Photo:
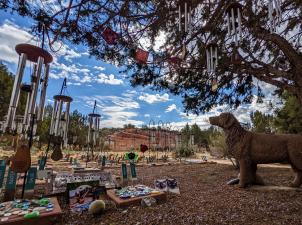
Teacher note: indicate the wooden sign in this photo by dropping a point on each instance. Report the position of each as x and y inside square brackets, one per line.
[103, 161]
[10, 186]
[124, 171]
[31, 178]
[133, 171]
[42, 163]
[2, 172]
[11, 180]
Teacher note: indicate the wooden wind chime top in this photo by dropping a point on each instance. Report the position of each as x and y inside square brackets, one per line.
[63, 98]
[34, 52]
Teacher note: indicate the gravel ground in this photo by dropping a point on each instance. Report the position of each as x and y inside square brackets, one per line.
[206, 199]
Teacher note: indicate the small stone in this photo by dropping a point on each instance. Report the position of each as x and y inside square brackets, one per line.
[7, 214]
[22, 213]
[39, 208]
[16, 212]
[4, 219]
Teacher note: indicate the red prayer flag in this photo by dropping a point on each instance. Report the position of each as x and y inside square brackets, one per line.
[175, 61]
[143, 148]
[110, 36]
[141, 55]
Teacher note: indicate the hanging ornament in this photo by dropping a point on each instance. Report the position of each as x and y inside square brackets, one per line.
[184, 16]
[110, 36]
[274, 14]
[235, 57]
[93, 127]
[41, 59]
[60, 115]
[234, 22]
[214, 84]
[176, 61]
[183, 53]
[212, 57]
[141, 55]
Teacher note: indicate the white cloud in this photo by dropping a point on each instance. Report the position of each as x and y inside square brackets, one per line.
[116, 111]
[147, 115]
[151, 99]
[108, 79]
[130, 93]
[100, 68]
[10, 36]
[171, 108]
[242, 113]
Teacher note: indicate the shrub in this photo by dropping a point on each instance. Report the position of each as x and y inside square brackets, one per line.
[184, 151]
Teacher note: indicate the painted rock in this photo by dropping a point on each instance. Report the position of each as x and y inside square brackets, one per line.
[97, 207]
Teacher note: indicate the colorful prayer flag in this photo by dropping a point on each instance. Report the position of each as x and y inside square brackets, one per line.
[141, 55]
[110, 36]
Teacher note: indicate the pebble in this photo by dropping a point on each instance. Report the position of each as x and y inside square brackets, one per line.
[7, 214]
[4, 219]
[16, 212]
[21, 213]
[39, 208]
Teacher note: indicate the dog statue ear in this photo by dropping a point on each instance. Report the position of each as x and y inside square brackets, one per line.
[230, 120]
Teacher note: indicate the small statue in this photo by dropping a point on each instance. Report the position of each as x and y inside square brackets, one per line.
[251, 148]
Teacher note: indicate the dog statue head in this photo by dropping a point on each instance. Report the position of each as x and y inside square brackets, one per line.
[224, 120]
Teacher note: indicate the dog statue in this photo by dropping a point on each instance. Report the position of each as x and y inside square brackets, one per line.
[251, 149]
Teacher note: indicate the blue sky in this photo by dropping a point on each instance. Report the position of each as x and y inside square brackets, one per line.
[89, 80]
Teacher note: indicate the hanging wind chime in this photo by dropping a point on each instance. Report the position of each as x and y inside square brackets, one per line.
[274, 14]
[41, 60]
[234, 22]
[212, 63]
[60, 121]
[93, 129]
[184, 16]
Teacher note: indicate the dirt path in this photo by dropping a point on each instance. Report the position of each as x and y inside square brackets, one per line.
[206, 199]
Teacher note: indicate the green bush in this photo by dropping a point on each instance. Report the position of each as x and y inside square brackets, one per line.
[184, 151]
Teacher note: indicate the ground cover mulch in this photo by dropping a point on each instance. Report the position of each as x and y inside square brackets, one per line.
[206, 199]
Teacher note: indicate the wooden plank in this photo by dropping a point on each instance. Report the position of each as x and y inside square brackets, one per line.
[45, 218]
[159, 196]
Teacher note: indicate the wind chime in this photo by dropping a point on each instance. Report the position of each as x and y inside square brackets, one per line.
[151, 135]
[212, 63]
[184, 16]
[60, 121]
[234, 22]
[274, 14]
[41, 60]
[93, 130]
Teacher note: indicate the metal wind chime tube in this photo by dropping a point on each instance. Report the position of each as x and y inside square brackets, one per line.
[52, 122]
[274, 14]
[212, 57]
[184, 10]
[35, 85]
[43, 93]
[234, 22]
[15, 93]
